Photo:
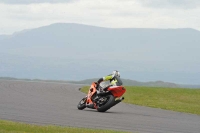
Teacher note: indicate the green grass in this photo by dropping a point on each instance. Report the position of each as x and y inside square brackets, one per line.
[176, 99]
[15, 127]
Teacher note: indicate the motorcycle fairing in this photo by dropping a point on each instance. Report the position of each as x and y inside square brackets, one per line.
[117, 91]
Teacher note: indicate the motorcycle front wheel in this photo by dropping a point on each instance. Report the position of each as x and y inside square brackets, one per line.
[82, 104]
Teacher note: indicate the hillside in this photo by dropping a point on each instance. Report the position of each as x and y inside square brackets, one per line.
[126, 82]
[74, 52]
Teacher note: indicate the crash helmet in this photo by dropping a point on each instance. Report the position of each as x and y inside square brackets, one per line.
[116, 73]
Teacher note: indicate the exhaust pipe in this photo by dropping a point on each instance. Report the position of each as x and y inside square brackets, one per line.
[118, 101]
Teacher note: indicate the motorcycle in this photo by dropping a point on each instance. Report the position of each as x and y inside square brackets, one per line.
[103, 101]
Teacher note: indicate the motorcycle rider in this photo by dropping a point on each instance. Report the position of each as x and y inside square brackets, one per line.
[114, 79]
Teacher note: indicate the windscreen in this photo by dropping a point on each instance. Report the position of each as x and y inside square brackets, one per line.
[104, 84]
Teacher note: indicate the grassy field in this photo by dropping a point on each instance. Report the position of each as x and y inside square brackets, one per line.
[176, 99]
[15, 127]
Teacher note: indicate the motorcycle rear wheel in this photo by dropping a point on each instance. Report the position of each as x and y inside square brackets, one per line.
[82, 104]
[108, 104]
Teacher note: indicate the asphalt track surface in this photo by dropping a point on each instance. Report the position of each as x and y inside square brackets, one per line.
[56, 104]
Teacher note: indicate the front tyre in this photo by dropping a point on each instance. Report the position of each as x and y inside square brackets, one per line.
[107, 104]
[82, 104]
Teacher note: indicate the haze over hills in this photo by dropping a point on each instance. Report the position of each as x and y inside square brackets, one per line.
[3, 37]
[126, 82]
[77, 52]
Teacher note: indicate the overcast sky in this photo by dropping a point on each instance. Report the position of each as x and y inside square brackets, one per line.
[17, 15]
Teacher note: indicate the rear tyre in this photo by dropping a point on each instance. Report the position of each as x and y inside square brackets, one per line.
[82, 104]
[107, 104]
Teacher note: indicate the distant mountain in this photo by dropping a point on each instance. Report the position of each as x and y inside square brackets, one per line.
[126, 82]
[76, 52]
[3, 37]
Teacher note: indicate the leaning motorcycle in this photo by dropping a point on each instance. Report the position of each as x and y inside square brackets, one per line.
[111, 96]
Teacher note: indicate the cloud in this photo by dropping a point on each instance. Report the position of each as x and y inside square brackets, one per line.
[185, 4]
[34, 1]
[104, 13]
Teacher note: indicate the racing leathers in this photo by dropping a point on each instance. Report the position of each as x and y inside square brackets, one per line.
[114, 80]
